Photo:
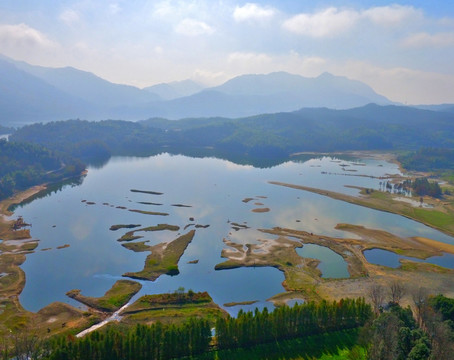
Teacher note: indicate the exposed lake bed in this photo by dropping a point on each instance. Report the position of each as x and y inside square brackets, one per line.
[263, 247]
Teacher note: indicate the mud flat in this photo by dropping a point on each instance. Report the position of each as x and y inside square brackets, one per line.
[149, 212]
[260, 210]
[163, 259]
[418, 247]
[53, 319]
[303, 280]
[15, 245]
[130, 235]
[123, 226]
[146, 192]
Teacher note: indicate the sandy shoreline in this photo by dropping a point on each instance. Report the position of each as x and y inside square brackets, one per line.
[18, 198]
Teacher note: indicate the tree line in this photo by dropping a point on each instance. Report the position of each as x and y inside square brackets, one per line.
[398, 333]
[428, 159]
[394, 333]
[422, 187]
[25, 165]
[160, 342]
[290, 322]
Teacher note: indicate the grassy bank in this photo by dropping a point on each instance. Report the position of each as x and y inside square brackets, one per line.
[441, 217]
[163, 259]
[117, 296]
[172, 308]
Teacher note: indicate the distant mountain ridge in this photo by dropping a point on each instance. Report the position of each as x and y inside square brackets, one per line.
[48, 94]
[266, 137]
[303, 87]
[88, 86]
[442, 107]
[175, 89]
[24, 98]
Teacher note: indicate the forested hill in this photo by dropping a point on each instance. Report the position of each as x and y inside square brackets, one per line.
[371, 127]
[25, 165]
[4, 130]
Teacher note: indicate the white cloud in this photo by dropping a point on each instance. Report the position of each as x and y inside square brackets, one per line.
[401, 84]
[327, 23]
[392, 14]
[114, 8]
[427, 40]
[248, 57]
[252, 11]
[446, 21]
[164, 9]
[332, 21]
[192, 27]
[69, 17]
[23, 36]
[261, 63]
[209, 77]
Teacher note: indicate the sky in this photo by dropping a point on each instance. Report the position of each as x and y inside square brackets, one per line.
[403, 49]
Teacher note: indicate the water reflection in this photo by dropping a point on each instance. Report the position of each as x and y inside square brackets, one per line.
[390, 259]
[331, 265]
[215, 189]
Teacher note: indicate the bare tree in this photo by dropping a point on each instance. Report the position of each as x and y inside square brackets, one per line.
[397, 290]
[442, 346]
[420, 296]
[376, 294]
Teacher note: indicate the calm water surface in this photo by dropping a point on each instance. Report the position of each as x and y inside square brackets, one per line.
[390, 259]
[214, 190]
[331, 265]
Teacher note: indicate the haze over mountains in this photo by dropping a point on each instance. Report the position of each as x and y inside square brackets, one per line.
[32, 93]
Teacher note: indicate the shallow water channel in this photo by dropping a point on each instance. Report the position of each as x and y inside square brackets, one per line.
[212, 191]
[390, 259]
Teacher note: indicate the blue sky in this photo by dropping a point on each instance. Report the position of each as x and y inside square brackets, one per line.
[403, 49]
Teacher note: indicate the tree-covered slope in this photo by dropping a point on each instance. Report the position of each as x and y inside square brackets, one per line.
[24, 165]
[371, 127]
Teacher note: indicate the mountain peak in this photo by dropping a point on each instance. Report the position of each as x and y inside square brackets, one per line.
[175, 89]
[326, 75]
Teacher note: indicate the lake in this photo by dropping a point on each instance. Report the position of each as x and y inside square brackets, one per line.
[212, 191]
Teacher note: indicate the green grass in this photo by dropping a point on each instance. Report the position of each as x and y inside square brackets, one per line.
[448, 176]
[117, 296]
[123, 226]
[140, 246]
[129, 236]
[240, 303]
[174, 315]
[172, 308]
[165, 261]
[383, 201]
[435, 218]
[160, 227]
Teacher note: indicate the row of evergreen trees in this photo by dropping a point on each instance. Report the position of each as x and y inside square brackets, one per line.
[141, 342]
[290, 322]
[194, 337]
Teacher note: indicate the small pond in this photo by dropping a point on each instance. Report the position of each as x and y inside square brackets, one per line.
[331, 265]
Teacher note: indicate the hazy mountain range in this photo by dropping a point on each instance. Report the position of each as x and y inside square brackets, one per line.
[39, 94]
[33, 93]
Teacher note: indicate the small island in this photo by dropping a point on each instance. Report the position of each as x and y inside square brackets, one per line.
[163, 259]
[117, 296]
